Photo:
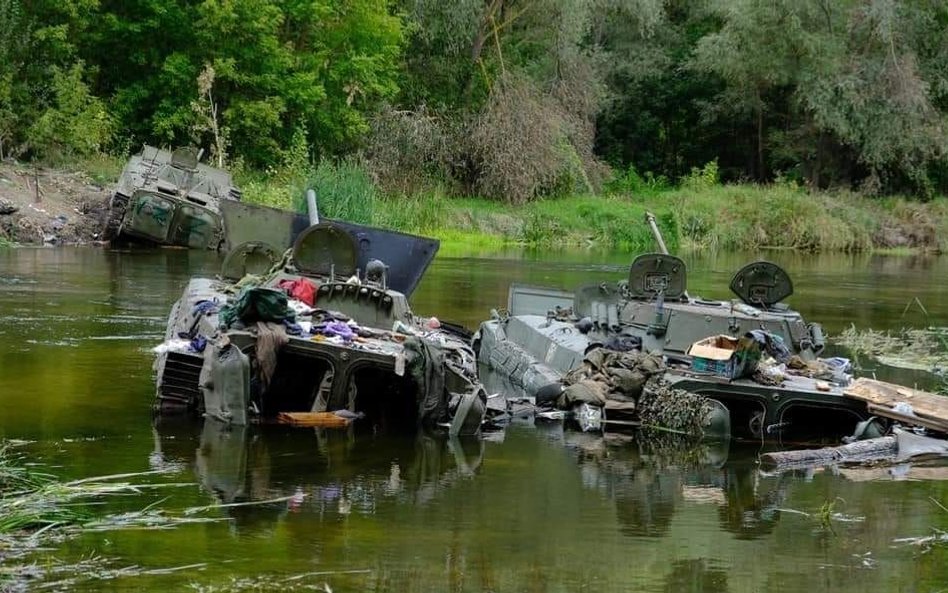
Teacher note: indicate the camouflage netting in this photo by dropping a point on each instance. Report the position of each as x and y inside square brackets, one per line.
[674, 409]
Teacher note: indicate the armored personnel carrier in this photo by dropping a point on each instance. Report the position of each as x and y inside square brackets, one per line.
[706, 347]
[324, 327]
[169, 198]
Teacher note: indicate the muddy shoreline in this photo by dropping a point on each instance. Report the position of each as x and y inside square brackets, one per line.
[43, 206]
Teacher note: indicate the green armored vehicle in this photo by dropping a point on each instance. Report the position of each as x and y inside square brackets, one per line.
[321, 329]
[753, 359]
[170, 198]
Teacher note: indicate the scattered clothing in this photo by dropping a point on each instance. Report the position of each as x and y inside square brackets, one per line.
[204, 307]
[293, 329]
[197, 344]
[772, 344]
[334, 329]
[270, 338]
[300, 289]
[256, 304]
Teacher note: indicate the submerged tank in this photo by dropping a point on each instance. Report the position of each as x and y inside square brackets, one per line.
[170, 198]
[715, 349]
[323, 327]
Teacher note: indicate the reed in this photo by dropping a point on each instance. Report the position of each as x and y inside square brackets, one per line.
[700, 214]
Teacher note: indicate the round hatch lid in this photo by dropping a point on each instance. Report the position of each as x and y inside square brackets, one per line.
[252, 257]
[325, 248]
[761, 284]
[185, 158]
[652, 274]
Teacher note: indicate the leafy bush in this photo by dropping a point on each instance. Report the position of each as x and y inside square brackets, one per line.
[407, 150]
[523, 145]
[76, 123]
[630, 183]
[706, 177]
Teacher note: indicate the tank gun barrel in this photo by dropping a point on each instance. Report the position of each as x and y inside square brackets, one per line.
[311, 207]
[650, 219]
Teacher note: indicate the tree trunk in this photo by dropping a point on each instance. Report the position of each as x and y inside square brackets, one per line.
[760, 137]
[491, 8]
[868, 450]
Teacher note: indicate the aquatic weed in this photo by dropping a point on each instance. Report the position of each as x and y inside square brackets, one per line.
[827, 513]
[923, 349]
[37, 509]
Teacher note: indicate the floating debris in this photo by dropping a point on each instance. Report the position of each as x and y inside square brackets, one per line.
[37, 509]
[918, 349]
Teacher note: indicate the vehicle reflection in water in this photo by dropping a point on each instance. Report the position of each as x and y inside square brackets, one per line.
[258, 473]
[649, 475]
[694, 575]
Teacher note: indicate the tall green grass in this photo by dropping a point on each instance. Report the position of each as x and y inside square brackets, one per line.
[785, 217]
[343, 190]
[610, 221]
[700, 213]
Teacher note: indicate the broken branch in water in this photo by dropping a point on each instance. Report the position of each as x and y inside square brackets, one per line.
[211, 507]
[324, 573]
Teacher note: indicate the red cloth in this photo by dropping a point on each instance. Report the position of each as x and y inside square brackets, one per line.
[301, 290]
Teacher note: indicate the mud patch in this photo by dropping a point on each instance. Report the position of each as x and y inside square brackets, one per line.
[46, 206]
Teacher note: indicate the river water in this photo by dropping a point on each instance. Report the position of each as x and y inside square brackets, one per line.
[534, 508]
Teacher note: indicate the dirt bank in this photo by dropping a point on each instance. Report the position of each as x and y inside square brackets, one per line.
[39, 205]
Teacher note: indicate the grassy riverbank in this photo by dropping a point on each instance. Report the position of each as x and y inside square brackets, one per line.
[701, 213]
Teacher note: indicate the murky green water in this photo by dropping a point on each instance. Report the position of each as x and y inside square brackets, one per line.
[531, 509]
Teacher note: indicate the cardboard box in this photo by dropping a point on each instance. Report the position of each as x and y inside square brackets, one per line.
[725, 356]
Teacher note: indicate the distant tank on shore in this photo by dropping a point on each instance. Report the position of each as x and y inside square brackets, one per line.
[170, 198]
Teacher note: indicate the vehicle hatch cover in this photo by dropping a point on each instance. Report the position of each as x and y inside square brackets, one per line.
[324, 249]
[252, 257]
[761, 284]
[652, 273]
[186, 158]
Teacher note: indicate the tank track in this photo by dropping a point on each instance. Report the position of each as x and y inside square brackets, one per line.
[113, 224]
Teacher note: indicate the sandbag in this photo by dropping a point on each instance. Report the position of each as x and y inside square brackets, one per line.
[627, 382]
[586, 391]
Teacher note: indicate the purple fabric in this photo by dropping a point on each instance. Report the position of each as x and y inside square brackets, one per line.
[335, 328]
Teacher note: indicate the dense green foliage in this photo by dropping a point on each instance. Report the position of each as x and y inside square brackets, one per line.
[509, 99]
[239, 77]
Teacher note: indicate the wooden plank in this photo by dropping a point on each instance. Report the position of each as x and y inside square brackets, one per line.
[887, 412]
[884, 394]
[324, 419]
